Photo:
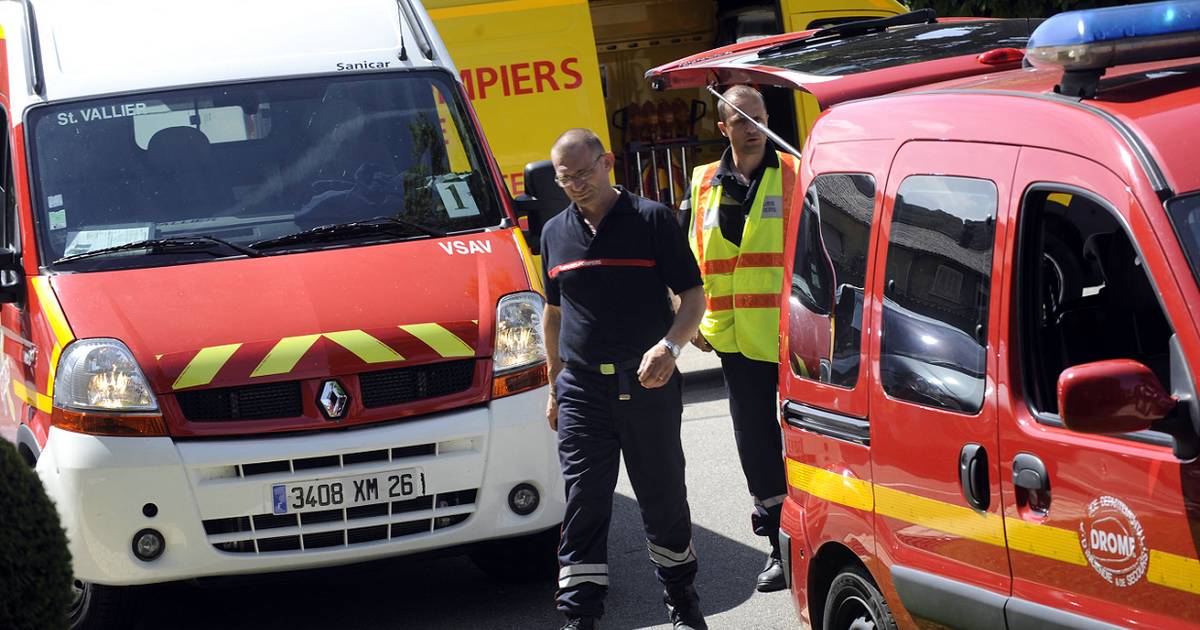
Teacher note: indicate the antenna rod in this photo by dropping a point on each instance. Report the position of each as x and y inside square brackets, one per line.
[761, 127]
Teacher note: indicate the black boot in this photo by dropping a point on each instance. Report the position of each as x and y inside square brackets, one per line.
[683, 608]
[581, 623]
[771, 578]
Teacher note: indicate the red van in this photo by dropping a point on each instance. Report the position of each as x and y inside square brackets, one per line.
[1003, 431]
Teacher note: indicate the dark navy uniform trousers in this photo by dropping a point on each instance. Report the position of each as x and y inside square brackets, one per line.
[752, 405]
[594, 428]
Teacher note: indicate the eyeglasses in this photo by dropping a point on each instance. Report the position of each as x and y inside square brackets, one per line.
[579, 177]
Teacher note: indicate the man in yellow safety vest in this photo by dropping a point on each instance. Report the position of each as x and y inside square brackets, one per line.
[739, 209]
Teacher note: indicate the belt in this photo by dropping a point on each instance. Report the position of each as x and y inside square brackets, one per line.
[620, 369]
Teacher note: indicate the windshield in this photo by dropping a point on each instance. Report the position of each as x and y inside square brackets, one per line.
[897, 47]
[255, 162]
[1184, 211]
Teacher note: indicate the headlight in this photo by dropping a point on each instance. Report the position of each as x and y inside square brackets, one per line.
[101, 375]
[519, 341]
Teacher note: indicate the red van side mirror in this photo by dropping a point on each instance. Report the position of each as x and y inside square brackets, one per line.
[1114, 396]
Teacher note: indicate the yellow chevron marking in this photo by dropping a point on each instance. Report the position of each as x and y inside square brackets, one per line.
[441, 340]
[1045, 541]
[830, 486]
[285, 355]
[364, 346]
[205, 365]
[964, 522]
[1177, 572]
[54, 312]
[55, 353]
[32, 397]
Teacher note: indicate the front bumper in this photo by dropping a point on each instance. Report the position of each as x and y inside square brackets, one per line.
[212, 500]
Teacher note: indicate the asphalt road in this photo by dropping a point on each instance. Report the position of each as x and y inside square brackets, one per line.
[451, 593]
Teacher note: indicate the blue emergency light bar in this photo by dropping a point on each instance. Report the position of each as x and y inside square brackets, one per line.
[1094, 39]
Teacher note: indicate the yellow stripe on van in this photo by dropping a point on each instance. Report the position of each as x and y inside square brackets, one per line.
[204, 366]
[828, 485]
[441, 340]
[285, 355]
[1045, 541]
[960, 521]
[54, 312]
[1177, 572]
[32, 397]
[364, 346]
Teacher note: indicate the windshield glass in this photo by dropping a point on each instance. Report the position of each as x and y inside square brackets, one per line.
[1184, 211]
[898, 46]
[253, 162]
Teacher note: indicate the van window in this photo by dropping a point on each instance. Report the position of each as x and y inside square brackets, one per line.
[251, 162]
[936, 288]
[828, 276]
[1085, 295]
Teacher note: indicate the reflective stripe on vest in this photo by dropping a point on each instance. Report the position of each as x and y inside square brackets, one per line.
[600, 262]
[743, 284]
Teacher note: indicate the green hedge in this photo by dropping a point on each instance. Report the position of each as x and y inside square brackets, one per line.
[1010, 8]
[35, 566]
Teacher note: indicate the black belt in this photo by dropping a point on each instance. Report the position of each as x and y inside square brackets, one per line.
[620, 369]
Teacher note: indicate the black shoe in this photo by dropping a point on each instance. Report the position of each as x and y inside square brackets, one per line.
[771, 578]
[581, 623]
[683, 608]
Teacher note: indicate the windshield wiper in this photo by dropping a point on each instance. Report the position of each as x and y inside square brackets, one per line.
[195, 242]
[336, 231]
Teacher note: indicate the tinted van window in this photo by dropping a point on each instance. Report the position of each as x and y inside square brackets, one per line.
[936, 288]
[828, 275]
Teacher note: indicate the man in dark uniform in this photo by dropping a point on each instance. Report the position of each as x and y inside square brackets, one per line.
[612, 339]
[735, 214]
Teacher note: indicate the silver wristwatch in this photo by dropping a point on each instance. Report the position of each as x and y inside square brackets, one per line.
[671, 346]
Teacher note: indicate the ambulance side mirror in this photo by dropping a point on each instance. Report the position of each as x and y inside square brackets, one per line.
[543, 200]
[1114, 396]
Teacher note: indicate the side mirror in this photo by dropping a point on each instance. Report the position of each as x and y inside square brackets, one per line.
[1114, 396]
[12, 277]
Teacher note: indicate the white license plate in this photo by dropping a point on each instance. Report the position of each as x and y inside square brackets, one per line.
[343, 492]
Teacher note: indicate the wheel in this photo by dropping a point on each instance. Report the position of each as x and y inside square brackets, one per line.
[854, 603]
[532, 558]
[96, 607]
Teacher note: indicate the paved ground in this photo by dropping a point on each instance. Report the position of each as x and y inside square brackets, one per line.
[451, 593]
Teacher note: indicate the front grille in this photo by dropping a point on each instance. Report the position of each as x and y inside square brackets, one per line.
[252, 402]
[385, 520]
[400, 385]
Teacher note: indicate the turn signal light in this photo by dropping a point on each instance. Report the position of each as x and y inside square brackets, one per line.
[93, 423]
[520, 381]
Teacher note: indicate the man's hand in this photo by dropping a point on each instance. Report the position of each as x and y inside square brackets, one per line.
[700, 342]
[552, 411]
[657, 366]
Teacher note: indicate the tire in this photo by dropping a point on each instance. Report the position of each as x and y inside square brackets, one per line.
[96, 607]
[532, 558]
[855, 603]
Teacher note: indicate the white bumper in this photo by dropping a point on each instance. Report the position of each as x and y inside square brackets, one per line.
[213, 504]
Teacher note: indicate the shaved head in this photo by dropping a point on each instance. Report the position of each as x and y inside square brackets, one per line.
[738, 94]
[572, 140]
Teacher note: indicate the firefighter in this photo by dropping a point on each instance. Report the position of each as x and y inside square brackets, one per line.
[735, 214]
[612, 339]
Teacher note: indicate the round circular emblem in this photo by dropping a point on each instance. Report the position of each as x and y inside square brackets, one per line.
[1113, 541]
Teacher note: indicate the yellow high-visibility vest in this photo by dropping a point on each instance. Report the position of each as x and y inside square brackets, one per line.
[743, 284]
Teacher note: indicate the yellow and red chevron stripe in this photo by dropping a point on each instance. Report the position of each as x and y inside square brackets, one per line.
[302, 354]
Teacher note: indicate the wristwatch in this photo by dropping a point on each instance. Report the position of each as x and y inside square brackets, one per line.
[672, 347]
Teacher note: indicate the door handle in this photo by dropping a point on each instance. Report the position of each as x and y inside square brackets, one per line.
[1032, 482]
[973, 474]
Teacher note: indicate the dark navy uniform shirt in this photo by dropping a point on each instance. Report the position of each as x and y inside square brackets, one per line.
[612, 286]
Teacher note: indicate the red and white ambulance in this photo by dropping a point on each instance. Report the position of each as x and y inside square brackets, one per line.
[265, 306]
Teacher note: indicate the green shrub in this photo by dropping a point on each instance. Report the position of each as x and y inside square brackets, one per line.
[35, 566]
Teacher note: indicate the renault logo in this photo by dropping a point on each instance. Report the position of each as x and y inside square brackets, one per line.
[334, 400]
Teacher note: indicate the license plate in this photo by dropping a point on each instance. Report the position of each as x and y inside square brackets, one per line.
[342, 492]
